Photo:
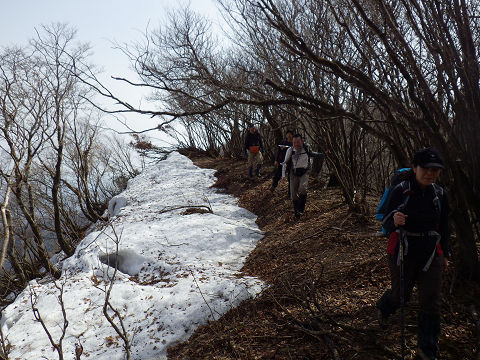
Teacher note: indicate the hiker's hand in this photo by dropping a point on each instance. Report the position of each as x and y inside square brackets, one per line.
[275, 163]
[399, 219]
[445, 263]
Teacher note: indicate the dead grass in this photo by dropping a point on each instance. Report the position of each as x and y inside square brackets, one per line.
[332, 257]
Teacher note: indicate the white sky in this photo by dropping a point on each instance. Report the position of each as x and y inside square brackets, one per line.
[98, 22]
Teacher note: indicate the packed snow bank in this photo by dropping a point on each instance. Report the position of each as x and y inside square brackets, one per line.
[175, 271]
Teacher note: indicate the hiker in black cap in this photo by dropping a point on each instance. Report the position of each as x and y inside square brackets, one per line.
[253, 150]
[418, 215]
[297, 164]
[279, 157]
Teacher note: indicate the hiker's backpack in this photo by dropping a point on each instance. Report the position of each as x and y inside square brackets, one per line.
[397, 177]
[290, 161]
[401, 176]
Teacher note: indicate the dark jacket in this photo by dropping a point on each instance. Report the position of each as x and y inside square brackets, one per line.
[282, 150]
[254, 139]
[424, 215]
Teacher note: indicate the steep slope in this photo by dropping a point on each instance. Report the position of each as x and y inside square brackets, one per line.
[180, 248]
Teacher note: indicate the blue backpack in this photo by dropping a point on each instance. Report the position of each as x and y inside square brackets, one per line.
[397, 177]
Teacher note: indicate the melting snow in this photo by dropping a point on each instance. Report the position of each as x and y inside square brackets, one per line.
[175, 271]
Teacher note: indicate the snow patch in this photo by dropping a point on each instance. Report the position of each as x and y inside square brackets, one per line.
[175, 271]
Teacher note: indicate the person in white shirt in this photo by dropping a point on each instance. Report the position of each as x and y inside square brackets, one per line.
[297, 164]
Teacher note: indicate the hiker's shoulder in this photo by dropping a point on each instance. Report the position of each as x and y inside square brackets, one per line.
[403, 186]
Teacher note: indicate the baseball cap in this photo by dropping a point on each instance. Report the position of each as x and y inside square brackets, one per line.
[428, 157]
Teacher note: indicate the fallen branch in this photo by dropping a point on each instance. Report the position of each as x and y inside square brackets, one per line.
[320, 324]
[207, 208]
[203, 297]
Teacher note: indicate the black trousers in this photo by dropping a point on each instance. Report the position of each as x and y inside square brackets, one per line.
[429, 284]
[277, 175]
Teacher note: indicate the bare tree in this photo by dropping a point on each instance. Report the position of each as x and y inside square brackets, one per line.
[57, 345]
[108, 308]
[418, 65]
[58, 59]
[55, 161]
[386, 77]
[21, 130]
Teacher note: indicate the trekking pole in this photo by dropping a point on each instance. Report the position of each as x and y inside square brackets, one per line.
[402, 237]
[402, 292]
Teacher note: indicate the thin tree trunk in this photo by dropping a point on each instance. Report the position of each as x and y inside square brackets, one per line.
[12, 258]
[64, 244]
[6, 227]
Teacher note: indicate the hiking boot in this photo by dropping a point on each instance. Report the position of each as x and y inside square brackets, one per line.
[272, 189]
[422, 356]
[428, 333]
[384, 309]
[295, 209]
[301, 203]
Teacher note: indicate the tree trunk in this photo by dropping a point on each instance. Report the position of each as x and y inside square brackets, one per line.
[273, 124]
[42, 252]
[65, 245]
[12, 258]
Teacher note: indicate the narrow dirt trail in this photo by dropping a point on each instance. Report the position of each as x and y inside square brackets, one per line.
[325, 271]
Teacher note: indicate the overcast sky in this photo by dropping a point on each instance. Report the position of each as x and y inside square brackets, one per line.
[99, 22]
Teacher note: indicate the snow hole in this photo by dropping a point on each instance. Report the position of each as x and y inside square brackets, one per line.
[116, 204]
[129, 262]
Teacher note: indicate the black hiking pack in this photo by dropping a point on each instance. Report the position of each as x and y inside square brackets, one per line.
[400, 178]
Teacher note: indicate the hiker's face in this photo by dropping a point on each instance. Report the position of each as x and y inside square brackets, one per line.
[252, 130]
[426, 176]
[289, 137]
[297, 143]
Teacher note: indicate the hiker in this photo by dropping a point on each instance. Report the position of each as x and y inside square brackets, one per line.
[297, 164]
[418, 214]
[279, 158]
[254, 151]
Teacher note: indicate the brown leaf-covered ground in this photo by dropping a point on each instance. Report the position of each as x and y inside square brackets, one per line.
[325, 272]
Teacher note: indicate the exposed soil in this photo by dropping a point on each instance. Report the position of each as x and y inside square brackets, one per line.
[325, 273]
